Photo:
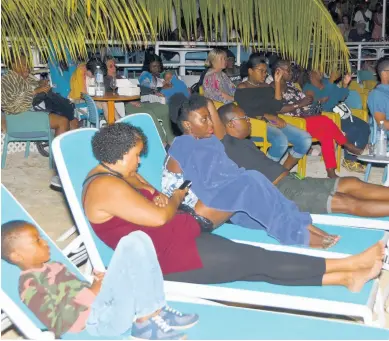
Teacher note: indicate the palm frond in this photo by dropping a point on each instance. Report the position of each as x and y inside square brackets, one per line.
[291, 26]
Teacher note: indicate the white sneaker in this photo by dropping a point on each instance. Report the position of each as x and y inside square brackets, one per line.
[55, 183]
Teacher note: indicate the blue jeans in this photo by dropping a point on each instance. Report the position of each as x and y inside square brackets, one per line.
[132, 286]
[357, 133]
[279, 139]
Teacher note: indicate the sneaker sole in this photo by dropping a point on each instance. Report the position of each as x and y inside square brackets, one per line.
[184, 327]
[185, 337]
[56, 188]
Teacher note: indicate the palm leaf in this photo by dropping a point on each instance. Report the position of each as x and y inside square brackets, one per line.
[291, 26]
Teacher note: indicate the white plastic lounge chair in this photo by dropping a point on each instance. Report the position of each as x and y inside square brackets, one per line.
[74, 159]
[214, 318]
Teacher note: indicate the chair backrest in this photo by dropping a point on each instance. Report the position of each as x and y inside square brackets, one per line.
[28, 121]
[354, 100]
[366, 75]
[75, 146]
[93, 114]
[11, 210]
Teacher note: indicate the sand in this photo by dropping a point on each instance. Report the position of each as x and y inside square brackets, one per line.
[28, 180]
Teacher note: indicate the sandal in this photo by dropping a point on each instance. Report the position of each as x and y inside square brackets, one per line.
[353, 166]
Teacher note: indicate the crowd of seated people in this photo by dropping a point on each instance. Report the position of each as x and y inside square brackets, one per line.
[364, 26]
[231, 180]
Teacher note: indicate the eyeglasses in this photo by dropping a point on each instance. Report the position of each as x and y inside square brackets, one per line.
[240, 118]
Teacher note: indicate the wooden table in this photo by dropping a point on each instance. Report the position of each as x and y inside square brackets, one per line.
[110, 98]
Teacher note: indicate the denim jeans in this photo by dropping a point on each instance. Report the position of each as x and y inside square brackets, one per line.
[132, 286]
[357, 133]
[279, 138]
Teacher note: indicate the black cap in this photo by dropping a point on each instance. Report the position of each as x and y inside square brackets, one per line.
[230, 54]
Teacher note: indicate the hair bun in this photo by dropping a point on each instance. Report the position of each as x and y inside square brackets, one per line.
[175, 104]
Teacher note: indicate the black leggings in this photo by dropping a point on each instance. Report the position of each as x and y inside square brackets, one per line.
[227, 261]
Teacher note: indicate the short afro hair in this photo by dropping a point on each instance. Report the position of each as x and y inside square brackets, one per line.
[382, 65]
[10, 232]
[111, 143]
[226, 112]
[180, 107]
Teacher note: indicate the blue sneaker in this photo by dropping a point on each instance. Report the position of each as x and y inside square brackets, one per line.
[178, 320]
[155, 328]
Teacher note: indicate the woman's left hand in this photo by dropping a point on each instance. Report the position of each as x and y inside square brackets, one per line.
[161, 200]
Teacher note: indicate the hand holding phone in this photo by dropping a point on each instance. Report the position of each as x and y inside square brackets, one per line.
[185, 184]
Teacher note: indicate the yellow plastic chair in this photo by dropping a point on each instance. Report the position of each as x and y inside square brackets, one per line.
[370, 84]
[259, 130]
[354, 85]
[361, 113]
[364, 95]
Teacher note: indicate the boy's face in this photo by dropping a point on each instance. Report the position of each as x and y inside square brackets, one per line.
[168, 77]
[31, 248]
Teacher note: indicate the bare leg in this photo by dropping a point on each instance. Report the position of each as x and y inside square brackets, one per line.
[362, 190]
[59, 123]
[331, 173]
[355, 280]
[74, 124]
[362, 261]
[290, 162]
[345, 203]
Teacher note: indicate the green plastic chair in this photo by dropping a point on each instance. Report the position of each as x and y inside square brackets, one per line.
[27, 126]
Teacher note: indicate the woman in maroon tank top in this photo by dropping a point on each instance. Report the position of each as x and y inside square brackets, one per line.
[118, 201]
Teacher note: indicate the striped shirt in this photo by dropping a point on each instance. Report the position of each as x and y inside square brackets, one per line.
[17, 93]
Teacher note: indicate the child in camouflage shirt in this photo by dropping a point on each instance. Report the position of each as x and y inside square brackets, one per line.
[132, 286]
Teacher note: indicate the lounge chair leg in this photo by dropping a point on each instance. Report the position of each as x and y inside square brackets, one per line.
[5, 150]
[27, 152]
[67, 234]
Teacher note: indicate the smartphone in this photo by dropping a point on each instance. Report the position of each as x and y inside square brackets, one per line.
[185, 184]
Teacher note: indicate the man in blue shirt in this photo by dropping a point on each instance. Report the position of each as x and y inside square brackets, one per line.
[378, 100]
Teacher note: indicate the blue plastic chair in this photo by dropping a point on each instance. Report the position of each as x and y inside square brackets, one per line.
[324, 299]
[93, 117]
[217, 322]
[29, 126]
[354, 100]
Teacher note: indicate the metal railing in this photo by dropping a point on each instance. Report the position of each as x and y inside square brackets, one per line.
[359, 53]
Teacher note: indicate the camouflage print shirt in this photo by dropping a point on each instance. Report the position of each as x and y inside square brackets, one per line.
[17, 93]
[57, 297]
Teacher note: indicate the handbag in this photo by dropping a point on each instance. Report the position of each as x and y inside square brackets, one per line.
[343, 110]
[54, 103]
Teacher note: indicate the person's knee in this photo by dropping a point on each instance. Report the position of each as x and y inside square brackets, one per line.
[347, 184]
[344, 203]
[59, 122]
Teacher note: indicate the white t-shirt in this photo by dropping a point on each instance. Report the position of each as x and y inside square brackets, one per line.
[359, 17]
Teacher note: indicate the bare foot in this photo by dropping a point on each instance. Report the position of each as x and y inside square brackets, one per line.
[321, 239]
[359, 278]
[367, 258]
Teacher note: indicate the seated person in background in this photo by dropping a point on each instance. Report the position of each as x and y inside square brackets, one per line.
[363, 15]
[232, 71]
[152, 83]
[132, 286]
[21, 91]
[297, 104]
[378, 100]
[329, 94]
[89, 78]
[358, 34]
[221, 190]
[263, 101]
[186, 250]
[315, 195]
[217, 85]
